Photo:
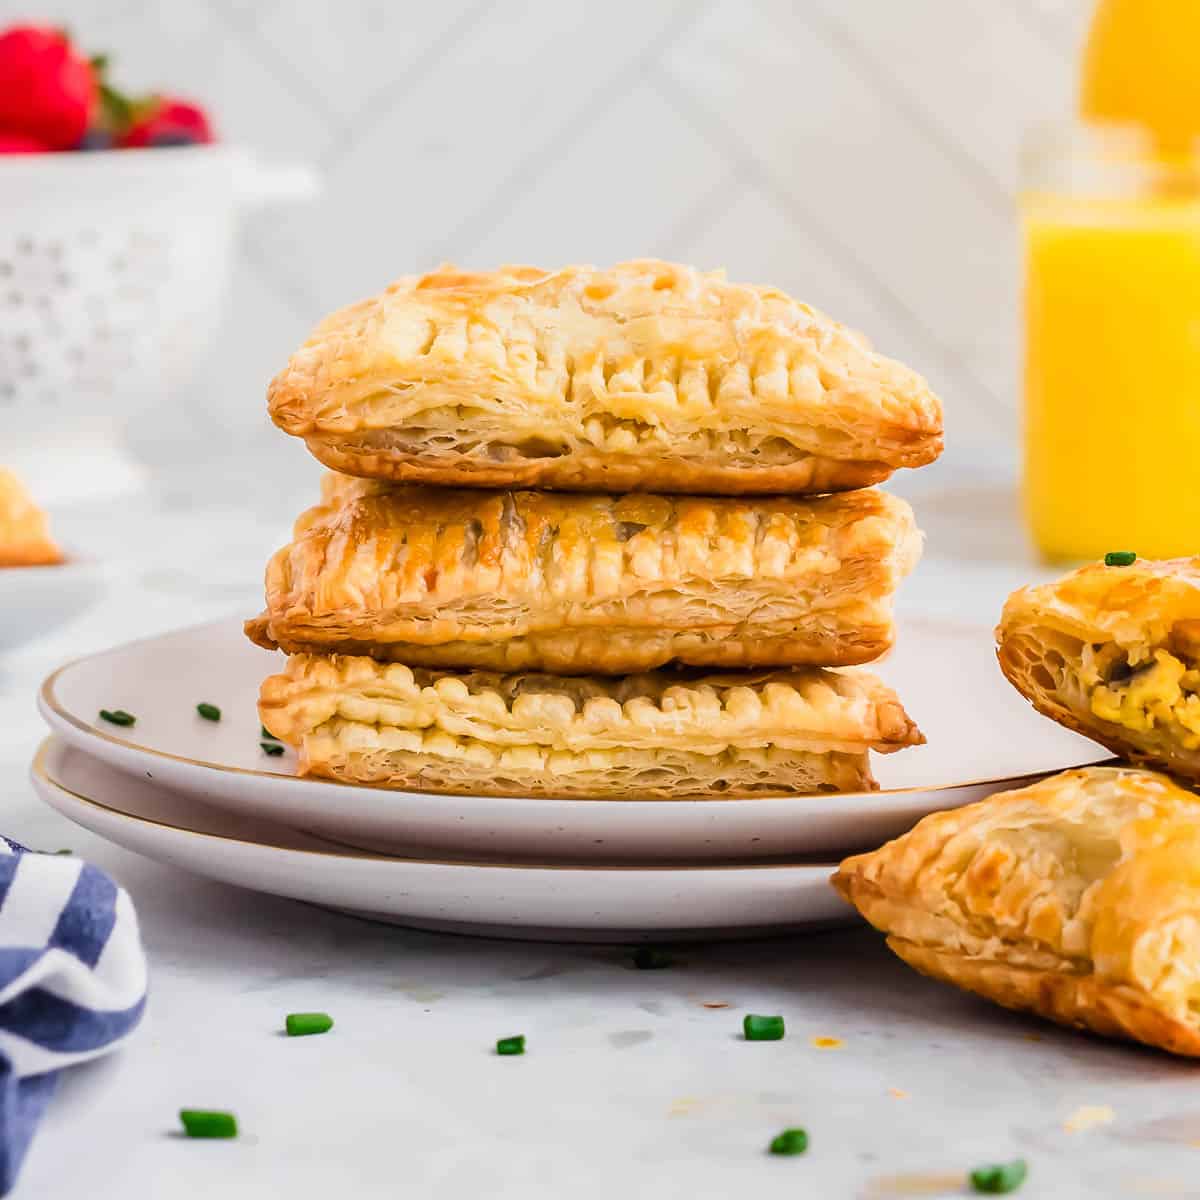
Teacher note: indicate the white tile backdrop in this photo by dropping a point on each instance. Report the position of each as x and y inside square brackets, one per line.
[861, 153]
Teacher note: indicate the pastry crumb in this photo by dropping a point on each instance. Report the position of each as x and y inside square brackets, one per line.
[716, 1003]
[898, 1093]
[1088, 1116]
[826, 1043]
[917, 1183]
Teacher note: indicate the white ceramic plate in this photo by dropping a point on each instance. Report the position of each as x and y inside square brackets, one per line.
[36, 600]
[982, 737]
[587, 902]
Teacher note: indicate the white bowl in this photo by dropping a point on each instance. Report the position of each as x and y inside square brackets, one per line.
[36, 600]
[113, 269]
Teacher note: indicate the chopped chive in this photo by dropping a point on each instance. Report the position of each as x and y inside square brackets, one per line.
[648, 958]
[762, 1029]
[207, 1123]
[64, 851]
[790, 1141]
[274, 749]
[1120, 558]
[210, 712]
[999, 1178]
[267, 734]
[302, 1024]
[117, 716]
[511, 1045]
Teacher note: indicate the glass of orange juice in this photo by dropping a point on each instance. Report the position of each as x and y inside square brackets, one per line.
[1111, 235]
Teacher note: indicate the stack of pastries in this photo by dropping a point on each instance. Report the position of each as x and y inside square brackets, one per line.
[593, 533]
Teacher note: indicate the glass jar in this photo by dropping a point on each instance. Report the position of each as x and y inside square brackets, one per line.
[1111, 237]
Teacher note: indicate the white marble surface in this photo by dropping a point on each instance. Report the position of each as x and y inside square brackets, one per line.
[631, 1086]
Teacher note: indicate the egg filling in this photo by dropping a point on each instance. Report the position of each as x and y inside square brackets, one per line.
[1161, 692]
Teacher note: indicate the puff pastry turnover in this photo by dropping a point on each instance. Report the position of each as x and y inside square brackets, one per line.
[25, 539]
[1114, 653]
[647, 376]
[1076, 898]
[662, 736]
[588, 583]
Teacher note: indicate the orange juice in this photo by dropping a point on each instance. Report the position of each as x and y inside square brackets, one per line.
[1112, 297]
[1112, 374]
[1141, 67]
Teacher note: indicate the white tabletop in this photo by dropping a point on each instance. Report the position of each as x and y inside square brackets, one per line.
[632, 1084]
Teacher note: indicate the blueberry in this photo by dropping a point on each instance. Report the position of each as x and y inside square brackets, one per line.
[96, 139]
[173, 138]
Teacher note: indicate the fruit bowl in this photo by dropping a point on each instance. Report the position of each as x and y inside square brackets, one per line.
[113, 269]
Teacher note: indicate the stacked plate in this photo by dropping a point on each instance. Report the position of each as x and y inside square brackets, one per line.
[209, 797]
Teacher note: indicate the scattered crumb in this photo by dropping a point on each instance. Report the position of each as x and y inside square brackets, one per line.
[826, 1043]
[1150, 1186]
[898, 1093]
[917, 1183]
[716, 1003]
[1088, 1116]
[685, 1106]
[1195, 1145]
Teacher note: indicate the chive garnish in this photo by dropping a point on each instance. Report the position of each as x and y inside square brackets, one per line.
[274, 749]
[762, 1029]
[999, 1178]
[647, 958]
[117, 716]
[65, 850]
[267, 734]
[210, 712]
[511, 1045]
[207, 1123]
[1120, 558]
[790, 1141]
[302, 1024]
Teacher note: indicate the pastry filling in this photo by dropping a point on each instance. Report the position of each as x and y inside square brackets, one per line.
[610, 435]
[1159, 692]
[336, 746]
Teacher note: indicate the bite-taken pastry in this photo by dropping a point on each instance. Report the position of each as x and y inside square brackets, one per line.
[648, 376]
[1075, 898]
[589, 583]
[25, 539]
[1113, 651]
[655, 736]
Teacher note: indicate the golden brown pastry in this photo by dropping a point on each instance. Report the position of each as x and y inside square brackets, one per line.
[514, 581]
[1076, 898]
[645, 377]
[657, 736]
[1114, 653]
[25, 539]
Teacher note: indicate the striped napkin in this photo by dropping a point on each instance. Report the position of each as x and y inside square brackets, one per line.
[72, 982]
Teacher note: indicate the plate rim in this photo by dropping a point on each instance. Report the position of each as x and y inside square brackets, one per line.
[40, 774]
[49, 704]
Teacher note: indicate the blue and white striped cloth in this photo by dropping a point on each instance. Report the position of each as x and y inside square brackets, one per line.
[72, 982]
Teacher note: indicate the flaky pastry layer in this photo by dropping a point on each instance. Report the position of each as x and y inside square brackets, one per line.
[589, 583]
[1114, 653]
[646, 376]
[25, 539]
[660, 735]
[1075, 898]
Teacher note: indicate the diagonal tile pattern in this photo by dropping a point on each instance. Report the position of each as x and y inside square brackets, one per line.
[862, 154]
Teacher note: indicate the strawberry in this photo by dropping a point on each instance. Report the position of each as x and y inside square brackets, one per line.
[47, 90]
[166, 121]
[19, 143]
